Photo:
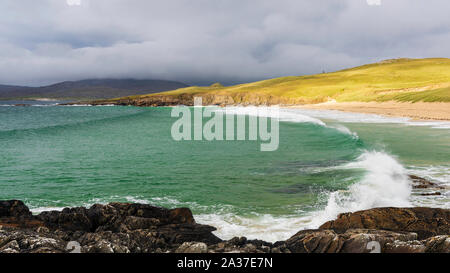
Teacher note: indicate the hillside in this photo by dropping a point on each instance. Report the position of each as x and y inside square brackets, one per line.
[89, 89]
[403, 80]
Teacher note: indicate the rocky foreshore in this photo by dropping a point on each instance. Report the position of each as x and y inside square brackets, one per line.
[142, 228]
[187, 99]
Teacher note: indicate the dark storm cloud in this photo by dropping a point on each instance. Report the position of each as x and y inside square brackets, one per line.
[203, 41]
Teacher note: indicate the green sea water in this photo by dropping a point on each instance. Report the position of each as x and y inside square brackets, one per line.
[57, 156]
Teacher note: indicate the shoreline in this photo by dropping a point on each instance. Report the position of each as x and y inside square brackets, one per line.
[419, 111]
[142, 228]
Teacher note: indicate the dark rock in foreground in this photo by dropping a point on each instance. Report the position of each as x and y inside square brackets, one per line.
[426, 222]
[139, 228]
[116, 227]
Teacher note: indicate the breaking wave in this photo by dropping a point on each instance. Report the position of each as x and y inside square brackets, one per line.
[284, 115]
[385, 184]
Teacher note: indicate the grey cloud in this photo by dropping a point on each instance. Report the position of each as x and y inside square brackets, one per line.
[204, 41]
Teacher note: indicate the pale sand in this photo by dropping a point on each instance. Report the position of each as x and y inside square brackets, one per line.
[416, 111]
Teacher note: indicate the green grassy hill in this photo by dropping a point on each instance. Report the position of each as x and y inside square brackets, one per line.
[406, 80]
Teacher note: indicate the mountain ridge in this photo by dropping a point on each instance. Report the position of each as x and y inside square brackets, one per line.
[89, 89]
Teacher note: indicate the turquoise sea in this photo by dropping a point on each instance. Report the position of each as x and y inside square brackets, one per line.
[327, 162]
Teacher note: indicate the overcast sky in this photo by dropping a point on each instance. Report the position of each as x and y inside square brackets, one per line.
[206, 41]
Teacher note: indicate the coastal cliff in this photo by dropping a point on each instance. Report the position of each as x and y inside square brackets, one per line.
[188, 100]
[142, 228]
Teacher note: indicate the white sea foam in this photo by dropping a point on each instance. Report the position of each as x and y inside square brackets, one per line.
[385, 184]
[78, 105]
[42, 209]
[44, 105]
[368, 118]
[114, 198]
[29, 105]
[285, 115]
[341, 128]
[440, 201]
[282, 115]
[439, 175]
[263, 227]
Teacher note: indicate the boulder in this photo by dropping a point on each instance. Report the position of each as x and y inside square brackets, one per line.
[422, 183]
[71, 219]
[426, 222]
[352, 241]
[438, 244]
[14, 208]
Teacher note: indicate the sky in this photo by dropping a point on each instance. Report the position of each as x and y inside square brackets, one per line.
[200, 42]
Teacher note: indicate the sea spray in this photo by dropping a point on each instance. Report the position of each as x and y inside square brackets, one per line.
[385, 184]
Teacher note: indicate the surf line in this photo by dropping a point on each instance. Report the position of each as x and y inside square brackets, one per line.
[222, 122]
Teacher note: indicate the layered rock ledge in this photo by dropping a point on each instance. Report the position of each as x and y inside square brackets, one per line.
[141, 228]
[155, 100]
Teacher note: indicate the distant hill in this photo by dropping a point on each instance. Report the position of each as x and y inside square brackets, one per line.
[89, 89]
[404, 80]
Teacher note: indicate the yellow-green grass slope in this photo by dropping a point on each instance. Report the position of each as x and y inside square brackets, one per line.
[404, 80]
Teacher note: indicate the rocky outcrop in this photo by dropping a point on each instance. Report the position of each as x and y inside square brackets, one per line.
[426, 222]
[422, 183]
[141, 228]
[13, 208]
[351, 241]
[219, 99]
[364, 241]
[425, 187]
[116, 227]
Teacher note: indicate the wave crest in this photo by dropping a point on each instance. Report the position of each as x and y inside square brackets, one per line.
[386, 184]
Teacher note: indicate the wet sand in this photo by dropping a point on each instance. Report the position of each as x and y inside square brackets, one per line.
[416, 111]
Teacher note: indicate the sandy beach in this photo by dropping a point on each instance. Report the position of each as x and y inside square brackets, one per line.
[416, 111]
